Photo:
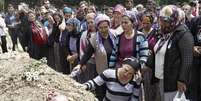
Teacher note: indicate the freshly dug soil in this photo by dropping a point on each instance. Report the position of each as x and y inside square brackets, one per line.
[15, 86]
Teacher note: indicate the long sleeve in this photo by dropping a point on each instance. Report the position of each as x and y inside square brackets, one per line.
[87, 55]
[137, 81]
[2, 27]
[2, 23]
[29, 35]
[186, 49]
[143, 49]
[7, 21]
[193, 26]
[82, 47]
[136, 92]
[98, 81]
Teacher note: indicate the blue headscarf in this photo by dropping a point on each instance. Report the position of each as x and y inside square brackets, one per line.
[67, 10]
[75, 22]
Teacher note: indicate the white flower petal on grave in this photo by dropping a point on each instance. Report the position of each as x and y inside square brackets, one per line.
[36, 73]
[29, 78]
[27, 73]
[32, 70]
[36, 78]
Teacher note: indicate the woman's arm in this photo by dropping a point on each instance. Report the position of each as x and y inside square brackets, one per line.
[143, 50]
[89, 52]
[185, 45]
[99, 80]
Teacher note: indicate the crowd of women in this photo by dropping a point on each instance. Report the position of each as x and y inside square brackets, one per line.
[109, 48]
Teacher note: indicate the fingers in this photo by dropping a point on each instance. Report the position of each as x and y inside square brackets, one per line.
[84, 86]
[83, 68]
[72, 58]
[181, 86]
[143, 71]
[76, 70]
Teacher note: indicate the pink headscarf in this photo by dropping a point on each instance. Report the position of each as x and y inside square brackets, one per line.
[100, 18]
[119, 8]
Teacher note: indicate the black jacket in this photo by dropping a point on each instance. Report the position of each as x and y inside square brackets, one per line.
[178, 58]
[76, 35]
[195, 27]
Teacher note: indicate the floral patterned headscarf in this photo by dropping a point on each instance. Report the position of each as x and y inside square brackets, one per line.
[170, 14]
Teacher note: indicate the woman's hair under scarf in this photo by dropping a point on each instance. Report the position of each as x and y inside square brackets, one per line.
[172, 15]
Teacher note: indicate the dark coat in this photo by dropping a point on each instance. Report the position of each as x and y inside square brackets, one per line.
[178, 58]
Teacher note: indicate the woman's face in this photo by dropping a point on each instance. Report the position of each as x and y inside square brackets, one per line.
[50, 19]
[57, 18]
[103, 27]
[126, 72]
[163, 25]
[187, 10]
[90, 23]
[117, 16]
[31, 17]
[126, 24]
[146, 24]
[70, 27]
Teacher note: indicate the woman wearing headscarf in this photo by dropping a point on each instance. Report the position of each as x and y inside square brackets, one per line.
[173, 54]
[101, 45]
[72, 41]
[118, 12]
[130, 43]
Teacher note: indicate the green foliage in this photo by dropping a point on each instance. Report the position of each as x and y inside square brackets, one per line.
[99, 3]
[164, 2]
[1, 5]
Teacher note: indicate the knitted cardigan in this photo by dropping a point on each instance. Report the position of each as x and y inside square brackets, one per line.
[142, 49]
